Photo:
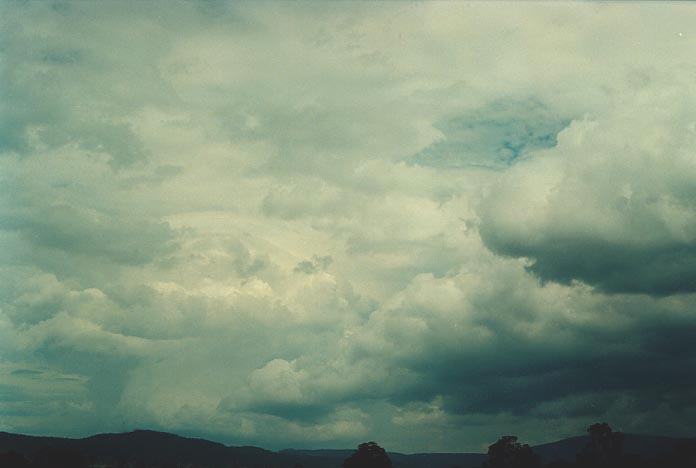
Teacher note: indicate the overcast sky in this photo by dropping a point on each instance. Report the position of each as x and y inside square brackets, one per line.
[316, 224]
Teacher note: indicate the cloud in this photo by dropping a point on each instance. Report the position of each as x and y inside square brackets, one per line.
[610, 205]
[313, 266]
[420, 223]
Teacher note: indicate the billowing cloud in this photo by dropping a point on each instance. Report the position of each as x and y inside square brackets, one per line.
[313, 225]
[612, 204]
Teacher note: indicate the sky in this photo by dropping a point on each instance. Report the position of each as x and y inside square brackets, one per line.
[311, 225]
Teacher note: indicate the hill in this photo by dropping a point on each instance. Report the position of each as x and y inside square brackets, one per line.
[144, 448]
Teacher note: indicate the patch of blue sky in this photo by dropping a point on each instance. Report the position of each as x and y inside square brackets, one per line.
[493, 136]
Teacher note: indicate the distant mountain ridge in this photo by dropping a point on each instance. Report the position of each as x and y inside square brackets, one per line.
[152, 448]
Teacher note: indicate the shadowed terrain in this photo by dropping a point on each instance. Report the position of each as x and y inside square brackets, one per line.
[143, 448]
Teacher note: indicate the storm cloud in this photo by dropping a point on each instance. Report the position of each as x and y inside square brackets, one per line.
[315, 224]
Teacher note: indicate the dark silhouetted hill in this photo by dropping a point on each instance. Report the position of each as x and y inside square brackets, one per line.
[159, 449]
[143, 448]
[644, 446]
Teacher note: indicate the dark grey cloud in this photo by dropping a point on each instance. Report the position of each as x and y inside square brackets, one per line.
[78, 232]
[34, 108]
[543, 357]
[610, 266]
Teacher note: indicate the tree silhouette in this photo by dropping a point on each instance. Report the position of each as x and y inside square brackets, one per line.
[604, 448]
[508, 453]
[368, 455]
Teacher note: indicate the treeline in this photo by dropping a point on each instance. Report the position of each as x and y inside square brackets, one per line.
[603, 450]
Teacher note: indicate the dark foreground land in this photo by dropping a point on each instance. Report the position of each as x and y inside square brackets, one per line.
[159, 449]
